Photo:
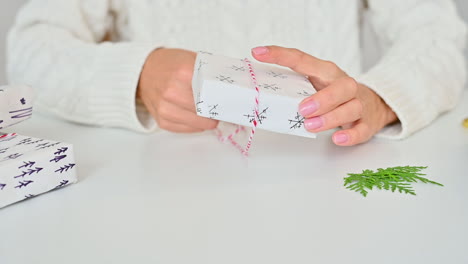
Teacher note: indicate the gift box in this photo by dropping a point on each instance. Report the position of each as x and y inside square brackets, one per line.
[224, 90]
[29, 166]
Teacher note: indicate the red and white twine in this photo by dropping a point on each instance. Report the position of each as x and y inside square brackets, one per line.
[230, 138]
[257, 96]
[3, 136]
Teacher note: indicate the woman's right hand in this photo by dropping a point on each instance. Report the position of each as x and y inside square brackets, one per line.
[165, 87]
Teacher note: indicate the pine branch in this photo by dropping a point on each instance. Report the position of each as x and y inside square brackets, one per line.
[390, 179]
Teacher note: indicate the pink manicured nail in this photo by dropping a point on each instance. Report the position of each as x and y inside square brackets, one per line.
[260, 50]
[313, 123]
[340, 138]
[309, 107]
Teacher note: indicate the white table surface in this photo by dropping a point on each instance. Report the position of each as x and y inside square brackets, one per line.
[173, 198]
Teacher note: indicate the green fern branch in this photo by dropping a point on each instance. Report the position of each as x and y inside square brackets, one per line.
[390, 179]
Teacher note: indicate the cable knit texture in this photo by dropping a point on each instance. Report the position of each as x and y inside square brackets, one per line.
[58, 47]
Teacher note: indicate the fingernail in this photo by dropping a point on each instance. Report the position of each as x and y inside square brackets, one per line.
[340, 138]
[313, 123]
[260, 50]
[308, 107]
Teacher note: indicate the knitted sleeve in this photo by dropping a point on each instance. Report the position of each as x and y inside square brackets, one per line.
[57, 47]
[422, 71]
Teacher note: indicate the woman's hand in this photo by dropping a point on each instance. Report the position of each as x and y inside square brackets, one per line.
[165, 87]
[339, 101]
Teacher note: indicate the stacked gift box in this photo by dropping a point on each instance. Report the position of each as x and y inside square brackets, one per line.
[29, 166]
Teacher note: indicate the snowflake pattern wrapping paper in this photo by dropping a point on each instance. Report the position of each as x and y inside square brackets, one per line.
[15, 105]
[31, 166]
[223, 90]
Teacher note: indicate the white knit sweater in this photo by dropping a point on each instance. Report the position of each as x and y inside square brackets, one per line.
[57, 47]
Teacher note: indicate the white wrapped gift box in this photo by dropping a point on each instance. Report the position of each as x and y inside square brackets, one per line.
[223, 90]
[31, 166]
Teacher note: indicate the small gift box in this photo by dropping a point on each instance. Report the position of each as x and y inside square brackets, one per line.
[31, 166]
[224, 89]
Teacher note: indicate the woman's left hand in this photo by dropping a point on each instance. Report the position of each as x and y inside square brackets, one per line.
[339, 102]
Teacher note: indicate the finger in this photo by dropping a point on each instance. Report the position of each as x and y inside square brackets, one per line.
[166, 123]
[321, 73]
[325, 100]
[179, 115]
[360, 133]
[343, 114]
[180, 94]
[177, 128]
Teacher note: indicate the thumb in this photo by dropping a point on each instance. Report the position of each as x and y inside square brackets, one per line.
[320, 72]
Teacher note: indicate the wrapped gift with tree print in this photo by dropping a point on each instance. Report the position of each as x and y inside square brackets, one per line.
[29, 166]
[223, 90]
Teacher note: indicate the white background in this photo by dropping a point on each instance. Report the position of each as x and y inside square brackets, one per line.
[8, 9]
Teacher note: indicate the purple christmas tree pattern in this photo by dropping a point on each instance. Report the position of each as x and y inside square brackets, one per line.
[62, 184]
[13, 156]
[47, 145]
[29, 196]
[27, 164]
[29, 141]
[3, 150]
[58, 158]
[24, 141]
[42, 145]
[65, 168]
[22, 113]
[261, 116]
[23, 184]
[61, 151]
[29, 172]
[296, 122]
[2, 185]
